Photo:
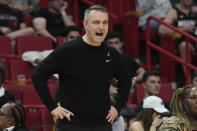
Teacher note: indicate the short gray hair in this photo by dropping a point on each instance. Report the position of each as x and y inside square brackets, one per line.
[94, 7]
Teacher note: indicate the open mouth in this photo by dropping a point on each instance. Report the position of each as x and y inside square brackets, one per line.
[99, 34]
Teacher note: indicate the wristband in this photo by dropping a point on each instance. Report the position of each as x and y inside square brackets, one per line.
[63, 13]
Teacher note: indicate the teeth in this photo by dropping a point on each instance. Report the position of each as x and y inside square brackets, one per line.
[99, 34]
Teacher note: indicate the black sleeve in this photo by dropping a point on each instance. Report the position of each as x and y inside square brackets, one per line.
[6, 98]
[139, 107]
[21, 17]
[123, 84]
[134, 64]
[52, 64]
[41, 13]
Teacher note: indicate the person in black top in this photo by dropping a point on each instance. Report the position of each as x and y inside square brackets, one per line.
[52, 20]
[183, 16]
[115, 40]
[5, 96]
[12, 23]
[85, 66]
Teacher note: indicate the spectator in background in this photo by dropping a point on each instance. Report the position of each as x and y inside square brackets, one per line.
[12, 117]
[152, 84]
[149, 118]
[183, 16]
[5, 96]
[51, 21]
[35, 57]
[114, 39]
[71, 32]
[184, 113]
[12, 23]
[21, 5]
[194, 78]
[157, 8]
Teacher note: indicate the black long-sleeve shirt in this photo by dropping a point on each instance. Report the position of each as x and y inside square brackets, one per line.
[84, 74]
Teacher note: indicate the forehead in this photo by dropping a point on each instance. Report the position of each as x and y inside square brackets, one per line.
[98, 15]
[193, 91]
[5, 108]
[74, 33]
[113, 39]
[153, 77]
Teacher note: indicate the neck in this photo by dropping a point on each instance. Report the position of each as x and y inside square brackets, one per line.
[184, 7]
[88, 41]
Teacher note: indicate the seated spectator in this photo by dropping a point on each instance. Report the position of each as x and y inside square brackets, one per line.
[194, 78]
[183, 16]
[12, 117]
[5, 96]
[152, 84]
[12, 23]
[35, 57]
[114, 39]
[183, 107]
[157, 8]
[149, 118]
[21, 5]
[51, 21]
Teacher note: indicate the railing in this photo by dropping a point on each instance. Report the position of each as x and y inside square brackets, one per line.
[187, 64]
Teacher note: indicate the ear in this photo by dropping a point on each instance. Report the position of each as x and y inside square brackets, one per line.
[121, 43]
[144, 85]
[85, 22]
[11, 122]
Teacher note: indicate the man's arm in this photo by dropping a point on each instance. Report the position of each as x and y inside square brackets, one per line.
[124, 84]
[170, 18]
[140, 72]
[67, 20]
[23, 26]
[39, 24]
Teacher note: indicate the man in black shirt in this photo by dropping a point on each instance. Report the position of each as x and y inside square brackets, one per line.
[85, 66]
[115, 40]
[12, 23]
[51, 21]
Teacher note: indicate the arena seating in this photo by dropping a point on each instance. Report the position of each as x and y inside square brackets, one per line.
[32, 43]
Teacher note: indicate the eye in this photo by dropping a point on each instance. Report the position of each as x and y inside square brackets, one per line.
[95, 22]
[192, 97]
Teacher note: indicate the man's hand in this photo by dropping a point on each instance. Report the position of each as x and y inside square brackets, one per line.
[5, 30]
[60, 112]
[112, 115]
[189, 28]
[63, 8]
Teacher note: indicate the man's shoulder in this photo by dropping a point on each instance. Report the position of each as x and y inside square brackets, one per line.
[73, 44]
[42, 12]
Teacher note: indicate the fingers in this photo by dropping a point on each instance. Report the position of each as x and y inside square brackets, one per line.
[112, 115]
[60, 113]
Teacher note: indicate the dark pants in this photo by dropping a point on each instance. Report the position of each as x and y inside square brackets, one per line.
[64, 127]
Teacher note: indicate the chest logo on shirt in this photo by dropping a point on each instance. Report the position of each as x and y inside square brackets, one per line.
[108, 57]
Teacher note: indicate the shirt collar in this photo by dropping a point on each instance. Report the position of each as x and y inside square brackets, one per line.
[9, 128]
[2, 91]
